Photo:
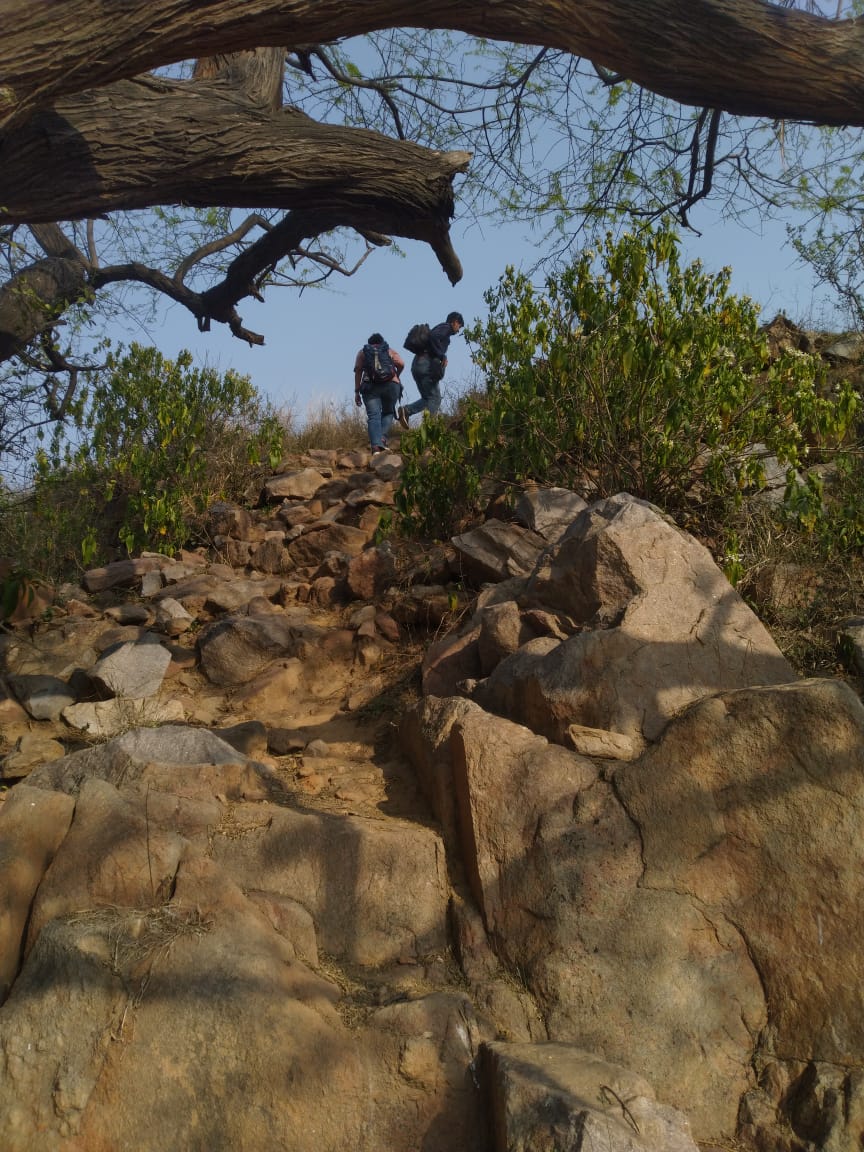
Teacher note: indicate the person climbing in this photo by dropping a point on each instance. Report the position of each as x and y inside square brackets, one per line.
[377, 368]
[428, 369]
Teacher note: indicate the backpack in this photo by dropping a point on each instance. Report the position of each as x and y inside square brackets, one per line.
[417, 340]
[378, 366]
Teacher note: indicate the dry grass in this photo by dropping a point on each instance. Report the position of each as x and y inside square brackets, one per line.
[135, 935]
[328, 424]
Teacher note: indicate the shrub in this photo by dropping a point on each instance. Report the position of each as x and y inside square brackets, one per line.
[157, 441]
[629, 373]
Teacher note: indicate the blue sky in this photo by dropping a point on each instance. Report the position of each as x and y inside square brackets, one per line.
[311, 340]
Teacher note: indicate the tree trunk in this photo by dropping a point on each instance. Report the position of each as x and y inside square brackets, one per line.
[35, 298]
[259, 74]
[747, 57]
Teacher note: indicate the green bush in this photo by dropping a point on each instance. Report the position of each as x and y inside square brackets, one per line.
[158, 440]
[628, 373]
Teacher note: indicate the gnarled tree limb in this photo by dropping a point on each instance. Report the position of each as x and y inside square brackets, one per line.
[148, 141]
[748, 57]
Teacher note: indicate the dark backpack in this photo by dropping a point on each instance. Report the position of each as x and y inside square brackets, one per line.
[378, 366]
[417, 340]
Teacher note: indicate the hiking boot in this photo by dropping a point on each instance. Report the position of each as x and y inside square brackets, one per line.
[402, 417]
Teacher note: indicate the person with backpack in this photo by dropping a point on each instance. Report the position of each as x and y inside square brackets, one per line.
[428, 367]
[377, 368]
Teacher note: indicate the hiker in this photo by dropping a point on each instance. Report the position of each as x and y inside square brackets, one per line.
[428, 368]
[377, 368]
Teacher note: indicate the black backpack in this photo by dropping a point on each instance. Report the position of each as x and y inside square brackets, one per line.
[379, 368]
[417, 340]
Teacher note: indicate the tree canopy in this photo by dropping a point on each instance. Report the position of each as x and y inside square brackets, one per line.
[285, 139]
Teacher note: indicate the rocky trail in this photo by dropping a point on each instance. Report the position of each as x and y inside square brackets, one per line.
[533, 840]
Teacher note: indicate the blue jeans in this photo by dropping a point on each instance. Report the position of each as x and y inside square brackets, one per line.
[425, 373]
[380, 401]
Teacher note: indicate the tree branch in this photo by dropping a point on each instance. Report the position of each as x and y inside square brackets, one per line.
[241, 278]
[787, 63]
[234, 153]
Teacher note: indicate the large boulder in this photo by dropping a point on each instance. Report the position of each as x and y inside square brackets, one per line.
[688, 913]
[160, 922]
[631, 972]
[661, 627]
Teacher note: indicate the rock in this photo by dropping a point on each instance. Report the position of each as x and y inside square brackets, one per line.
[273, 556]
[172, 618]
[107, 718]
[502, 632]
[548, 511]
[121, 574]
[762, 829]
[663, 628]
[235, 650]
[370, 573]
[663, 894]
[132, 671]
[33, 824]
[496, 551]
[224, 519]
[850, 642]
[44, 697]
[317, 541]
[266, 694]
[554, 1096]
[618, 966]
[285, 741]
[451, 661]
[31, 749]
[604, 745]
[378, 492]
[250, 738]
[131, 614]
[294, 485]
[424, 734]
[231, 596]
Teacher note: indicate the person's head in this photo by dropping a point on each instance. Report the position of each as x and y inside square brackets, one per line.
[375, 338]
[454, 319]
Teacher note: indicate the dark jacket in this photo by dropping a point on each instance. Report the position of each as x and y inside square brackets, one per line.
[439, 340]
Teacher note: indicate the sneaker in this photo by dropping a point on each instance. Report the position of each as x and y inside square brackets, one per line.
[402, 417]
[378, 449]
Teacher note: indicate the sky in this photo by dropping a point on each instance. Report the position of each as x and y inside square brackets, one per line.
[306, 362]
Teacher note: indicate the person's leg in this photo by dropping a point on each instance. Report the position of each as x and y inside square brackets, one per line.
[433, 397]
[420, 372]
[419, 368]
[372, 400]
[430, 397]
[388, 408]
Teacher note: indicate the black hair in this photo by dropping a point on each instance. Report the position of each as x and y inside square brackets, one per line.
[451, 316]
[375, 338]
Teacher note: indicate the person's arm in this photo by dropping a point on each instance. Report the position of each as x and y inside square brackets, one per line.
[398, 362]
[358, 378]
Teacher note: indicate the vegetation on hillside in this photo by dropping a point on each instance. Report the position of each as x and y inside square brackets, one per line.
[632, 372]
[149, 445]
[628, 371]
